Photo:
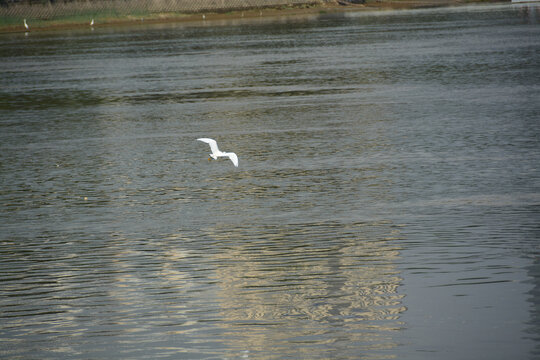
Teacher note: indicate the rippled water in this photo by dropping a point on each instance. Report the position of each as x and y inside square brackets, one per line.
[386, 204]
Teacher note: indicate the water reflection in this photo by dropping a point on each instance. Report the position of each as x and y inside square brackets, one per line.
[284, 285]
[530, 13]
[264, 289]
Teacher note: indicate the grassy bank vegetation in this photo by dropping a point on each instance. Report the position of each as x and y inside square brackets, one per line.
[45, 15]
[84, 17]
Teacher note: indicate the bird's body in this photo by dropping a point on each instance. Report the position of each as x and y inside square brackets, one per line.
[216, 153]
[25, 24]
[92, 22]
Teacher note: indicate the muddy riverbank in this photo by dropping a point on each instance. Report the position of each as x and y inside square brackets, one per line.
[112, 18]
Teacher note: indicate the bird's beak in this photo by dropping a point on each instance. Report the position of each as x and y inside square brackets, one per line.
[209, 158]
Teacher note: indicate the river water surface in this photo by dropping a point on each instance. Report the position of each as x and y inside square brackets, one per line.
[387, 202]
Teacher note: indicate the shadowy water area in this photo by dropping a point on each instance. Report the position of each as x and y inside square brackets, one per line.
[386, 203]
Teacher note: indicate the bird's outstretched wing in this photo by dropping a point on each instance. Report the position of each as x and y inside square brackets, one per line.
[233, 158]
[212, 143]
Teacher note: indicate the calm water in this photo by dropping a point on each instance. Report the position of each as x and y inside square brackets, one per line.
[387, 202]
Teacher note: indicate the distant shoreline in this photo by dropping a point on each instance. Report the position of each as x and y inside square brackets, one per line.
[338, 6]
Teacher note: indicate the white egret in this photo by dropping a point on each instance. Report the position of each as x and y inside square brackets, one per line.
[216, 153]
[25, 24]
[92, 22]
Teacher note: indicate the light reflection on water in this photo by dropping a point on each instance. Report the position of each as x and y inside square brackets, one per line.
[386, 203]
[246, 292]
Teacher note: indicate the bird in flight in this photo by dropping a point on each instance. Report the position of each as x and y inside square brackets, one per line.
[217, 153]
